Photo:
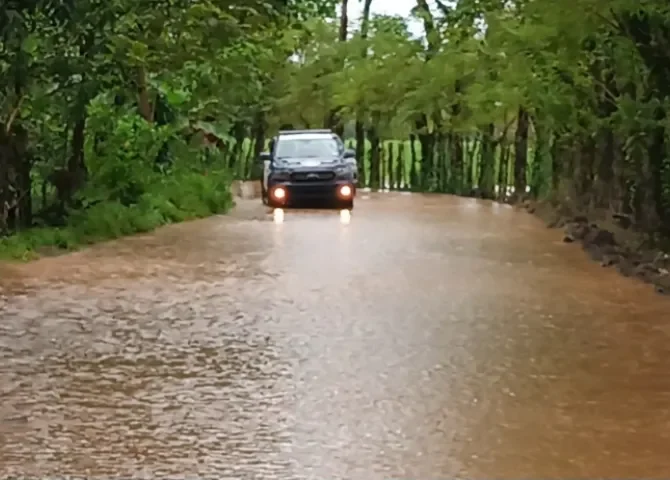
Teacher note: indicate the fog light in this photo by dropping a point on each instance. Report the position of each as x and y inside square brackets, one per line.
[279, 193]
[345, 191]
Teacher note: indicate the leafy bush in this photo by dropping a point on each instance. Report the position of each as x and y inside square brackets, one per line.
[183, 195]
[141, 175]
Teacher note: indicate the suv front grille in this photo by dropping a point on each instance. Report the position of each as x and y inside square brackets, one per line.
[312, 176]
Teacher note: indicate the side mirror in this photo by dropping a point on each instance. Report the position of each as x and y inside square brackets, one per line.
[264, 157]
[349, 153]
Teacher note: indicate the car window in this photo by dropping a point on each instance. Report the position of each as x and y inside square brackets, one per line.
[307, 147]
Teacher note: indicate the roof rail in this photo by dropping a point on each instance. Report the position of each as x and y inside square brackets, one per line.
[315, 130]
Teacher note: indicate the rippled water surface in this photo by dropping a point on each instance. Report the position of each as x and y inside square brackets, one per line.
[424, 337]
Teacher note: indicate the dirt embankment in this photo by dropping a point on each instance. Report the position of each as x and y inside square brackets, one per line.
[611, 241]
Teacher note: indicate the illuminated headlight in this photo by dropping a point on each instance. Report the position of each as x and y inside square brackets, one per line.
[279, 193]
[346, 191]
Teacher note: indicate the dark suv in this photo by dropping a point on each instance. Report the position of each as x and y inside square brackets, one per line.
[304, 165]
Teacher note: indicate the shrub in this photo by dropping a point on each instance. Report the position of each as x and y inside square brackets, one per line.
[182, 195]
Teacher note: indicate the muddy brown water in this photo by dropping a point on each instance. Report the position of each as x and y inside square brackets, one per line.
[430, 337]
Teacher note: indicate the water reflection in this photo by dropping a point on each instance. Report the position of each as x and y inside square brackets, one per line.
[278, 215]
[345, 217]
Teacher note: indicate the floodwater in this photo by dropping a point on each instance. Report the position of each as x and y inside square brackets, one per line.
[420, 337]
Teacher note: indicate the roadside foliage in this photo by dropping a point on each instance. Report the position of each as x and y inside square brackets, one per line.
[119, 116]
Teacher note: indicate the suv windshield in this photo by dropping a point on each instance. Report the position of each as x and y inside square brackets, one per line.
[307, 147]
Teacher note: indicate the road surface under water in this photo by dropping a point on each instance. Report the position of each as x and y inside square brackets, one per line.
[430, 337]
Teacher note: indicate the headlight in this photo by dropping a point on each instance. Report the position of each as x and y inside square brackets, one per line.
[342, 171]
[280, 175]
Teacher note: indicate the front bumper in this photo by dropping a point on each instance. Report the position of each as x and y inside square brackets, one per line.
[310, 191]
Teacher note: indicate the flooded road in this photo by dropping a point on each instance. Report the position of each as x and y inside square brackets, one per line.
[428, 337]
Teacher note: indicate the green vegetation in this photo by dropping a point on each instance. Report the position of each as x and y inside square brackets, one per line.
[112, 112]
[116, 117]
[180, 196]
[395, 164]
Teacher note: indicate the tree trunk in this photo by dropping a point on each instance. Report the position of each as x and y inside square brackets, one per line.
[426, 138]
[259, 129]
[413, 175]
[360, 152]
[143, 100]
[392, 171]
[375, 155]
[15, 183]
[427, 142]
[360, 113]
[521, 153]
[457, 164]
[334, 120]
[486, 182]
[401, 176]
[239, 133]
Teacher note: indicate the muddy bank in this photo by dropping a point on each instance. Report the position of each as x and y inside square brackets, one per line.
[609, 240]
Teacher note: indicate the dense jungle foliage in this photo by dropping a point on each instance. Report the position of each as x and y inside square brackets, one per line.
[119, 116]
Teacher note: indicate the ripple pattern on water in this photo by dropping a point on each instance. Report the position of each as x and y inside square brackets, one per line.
[425, 337]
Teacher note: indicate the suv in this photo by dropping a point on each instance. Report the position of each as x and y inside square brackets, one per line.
[308, 165]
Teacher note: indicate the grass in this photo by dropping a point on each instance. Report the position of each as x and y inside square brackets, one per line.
[172, 199]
